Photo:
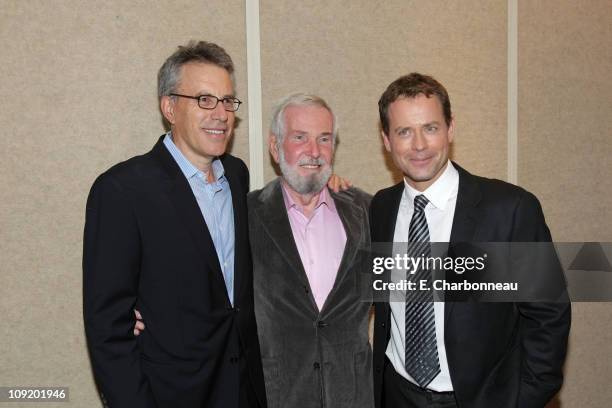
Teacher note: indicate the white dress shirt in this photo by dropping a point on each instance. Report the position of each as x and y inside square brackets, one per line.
[439, 212]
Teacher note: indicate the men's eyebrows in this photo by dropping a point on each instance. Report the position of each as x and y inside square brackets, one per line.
[203, 92]
[432, 123]
[306, 132]
[208, 93]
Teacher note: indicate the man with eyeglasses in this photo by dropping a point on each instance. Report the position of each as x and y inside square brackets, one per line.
[166, 233]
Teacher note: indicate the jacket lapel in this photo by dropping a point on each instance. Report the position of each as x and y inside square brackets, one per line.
[465, 219]
[181, 196]
[384, 224]
[240, 230]
[383, 227]
[353, 222]
[276, 225]
[386, 227]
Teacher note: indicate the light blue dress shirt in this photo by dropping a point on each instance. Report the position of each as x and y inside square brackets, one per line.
[215, 202]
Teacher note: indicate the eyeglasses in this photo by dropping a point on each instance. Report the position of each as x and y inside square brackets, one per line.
[210, 102]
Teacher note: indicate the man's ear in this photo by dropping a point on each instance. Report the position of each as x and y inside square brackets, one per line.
[166, 105]
[273, 147]
[386, 141]
[451, 131]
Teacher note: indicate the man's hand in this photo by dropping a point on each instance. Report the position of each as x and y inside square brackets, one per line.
[337, 183]
[139, 325]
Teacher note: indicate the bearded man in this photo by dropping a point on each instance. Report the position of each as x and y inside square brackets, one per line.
[305, 240]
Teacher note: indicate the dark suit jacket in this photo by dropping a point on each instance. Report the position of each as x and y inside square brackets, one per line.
[311, 358]
[147, 246]
[499, 354]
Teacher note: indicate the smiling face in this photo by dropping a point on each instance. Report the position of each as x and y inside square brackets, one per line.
[419, 139]
[200, 134]
[306, 151]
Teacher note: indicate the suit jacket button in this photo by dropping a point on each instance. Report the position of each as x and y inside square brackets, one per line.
[383, 324]
[378, 370]
[316, 366]
[321, 323]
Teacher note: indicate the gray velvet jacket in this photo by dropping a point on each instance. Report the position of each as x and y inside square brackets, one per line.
[311, 358]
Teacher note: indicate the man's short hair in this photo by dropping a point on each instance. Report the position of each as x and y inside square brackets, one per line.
[410, 86]
[201, 51]
[277, 126]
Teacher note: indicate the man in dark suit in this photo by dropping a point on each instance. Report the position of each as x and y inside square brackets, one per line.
[167, 233]
[436, 354]
[309, 265]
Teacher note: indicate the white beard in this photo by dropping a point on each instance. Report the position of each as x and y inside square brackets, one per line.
[305, 184]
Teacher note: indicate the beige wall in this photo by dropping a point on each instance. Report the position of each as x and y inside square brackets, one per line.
[349, 54]
[78, 86]
[79, 94]
[565, 157]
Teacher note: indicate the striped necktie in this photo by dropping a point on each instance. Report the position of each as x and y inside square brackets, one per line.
[421, 348]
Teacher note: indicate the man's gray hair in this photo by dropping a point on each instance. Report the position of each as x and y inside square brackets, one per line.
[277, 126]
[200, 51]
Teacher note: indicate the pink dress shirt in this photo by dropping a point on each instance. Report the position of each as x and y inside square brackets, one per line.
[320, 241]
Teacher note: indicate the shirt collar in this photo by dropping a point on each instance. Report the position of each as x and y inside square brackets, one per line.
[443, 189]
[324, 198]
[188, 169]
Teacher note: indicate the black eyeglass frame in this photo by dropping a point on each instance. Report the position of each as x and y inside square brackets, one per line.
[237, 102]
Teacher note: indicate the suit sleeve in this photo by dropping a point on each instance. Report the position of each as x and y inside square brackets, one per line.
[111, 264]
[544, 326]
